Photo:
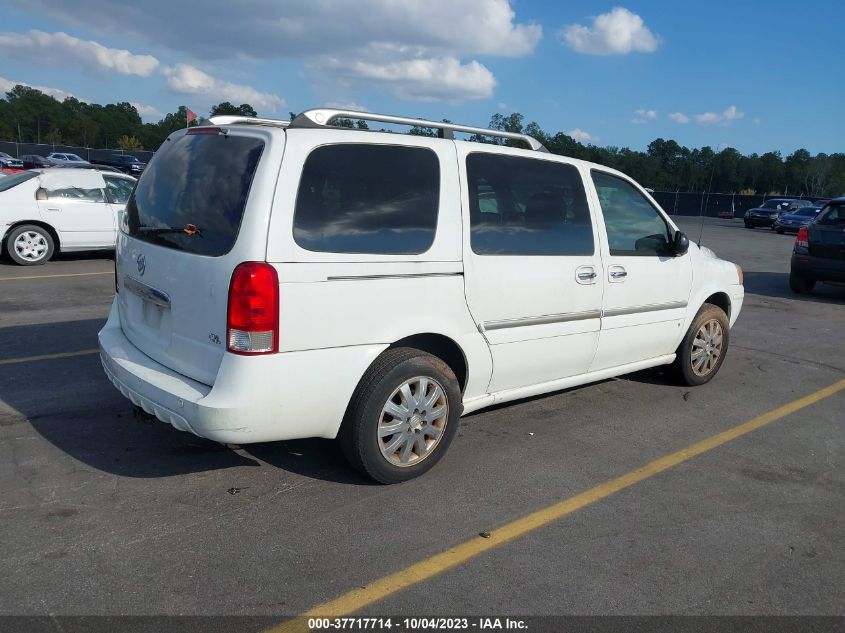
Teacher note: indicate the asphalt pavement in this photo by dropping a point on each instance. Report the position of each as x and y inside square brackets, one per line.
[103, 513]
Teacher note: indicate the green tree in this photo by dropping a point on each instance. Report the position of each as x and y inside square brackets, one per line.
[228, 108]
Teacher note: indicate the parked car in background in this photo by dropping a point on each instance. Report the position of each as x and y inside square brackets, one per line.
[35, 161]
[9, 162]
[50, 210]
[819, 252]
[126, 163]
[67, 159]
[767, 213]
[242, 238]
[113, 170]
[791, 222]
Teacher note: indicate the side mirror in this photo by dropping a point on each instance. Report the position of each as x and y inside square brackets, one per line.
[680, 244]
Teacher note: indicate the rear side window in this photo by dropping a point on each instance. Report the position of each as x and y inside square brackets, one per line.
[378, 199]
[833, 214]
[192, 195]
[15, 179]
[525, 206]
[76, 194]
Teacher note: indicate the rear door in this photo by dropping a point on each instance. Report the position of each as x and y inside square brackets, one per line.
[647, 288]
[201, 207]
[533, 273]
[76, 207]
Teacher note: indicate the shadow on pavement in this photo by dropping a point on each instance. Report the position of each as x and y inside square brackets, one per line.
[770, 284]
[71, 404]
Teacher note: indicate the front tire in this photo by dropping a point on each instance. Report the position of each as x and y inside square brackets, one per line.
[30, 245]
[703, 350]
[403, 416]
[801, 285]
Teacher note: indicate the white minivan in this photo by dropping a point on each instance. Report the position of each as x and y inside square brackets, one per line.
[290, 280]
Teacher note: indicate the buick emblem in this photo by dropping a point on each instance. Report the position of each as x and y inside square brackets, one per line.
[142, 264]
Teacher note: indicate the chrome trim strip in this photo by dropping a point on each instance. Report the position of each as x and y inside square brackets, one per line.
[147, 293]
[540, 320]
[393, 276]
[655, 307]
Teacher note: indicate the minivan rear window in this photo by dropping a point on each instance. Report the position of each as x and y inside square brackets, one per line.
[357, 198]
[192, 195]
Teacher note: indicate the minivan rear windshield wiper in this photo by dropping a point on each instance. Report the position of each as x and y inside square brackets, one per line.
[188, 229]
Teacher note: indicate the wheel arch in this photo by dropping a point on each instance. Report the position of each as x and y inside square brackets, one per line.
[57, 244]
[722, 300]
[444, 347]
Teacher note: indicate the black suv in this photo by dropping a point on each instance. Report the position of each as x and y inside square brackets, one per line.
[126, 163]
[768, 212]
[819, 253]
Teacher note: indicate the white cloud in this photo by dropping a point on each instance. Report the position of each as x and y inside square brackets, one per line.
[416, 50]
[724, 118]
[347, 105]
[421, 79]
[644, 116]
[148, 112]
[61, 48]
[189, 80]
[617, 32]
[581, 136]
[7, 84]
[502, 105]
[679, 117]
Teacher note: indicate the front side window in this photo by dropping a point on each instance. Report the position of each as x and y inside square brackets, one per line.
[119, 189]
[357, 198]
[525, 206]
[76, 194]
[634, 227]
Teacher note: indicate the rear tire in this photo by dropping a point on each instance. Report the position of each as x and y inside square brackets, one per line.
[403, 416]
[30, 245]
[702, 352]
[801, 285]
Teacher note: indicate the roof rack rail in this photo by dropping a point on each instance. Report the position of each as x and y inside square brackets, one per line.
[322, 117]
[233, 119]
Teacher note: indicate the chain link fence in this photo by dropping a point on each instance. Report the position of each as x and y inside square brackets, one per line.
[88, 153]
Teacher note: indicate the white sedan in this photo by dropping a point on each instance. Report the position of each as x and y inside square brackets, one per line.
[67, 159]
[46, 211]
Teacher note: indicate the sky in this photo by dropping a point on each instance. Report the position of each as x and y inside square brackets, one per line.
[757, 76]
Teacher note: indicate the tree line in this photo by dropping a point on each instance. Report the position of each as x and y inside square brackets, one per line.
[30, 116]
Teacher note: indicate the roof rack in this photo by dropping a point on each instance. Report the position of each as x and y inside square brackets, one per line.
[322, 117]
[234, 119]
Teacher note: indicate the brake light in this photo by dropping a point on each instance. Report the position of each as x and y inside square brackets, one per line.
[204, 130]
[252, 325]
[802, 240]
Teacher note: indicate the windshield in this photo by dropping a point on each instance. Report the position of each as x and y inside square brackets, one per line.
[16, 179]
[72, 157]
[4, 155]
[807, 211]
[192, 195]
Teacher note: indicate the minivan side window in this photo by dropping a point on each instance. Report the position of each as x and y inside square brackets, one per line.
[526, 206]
[634, 227]
[361, 198]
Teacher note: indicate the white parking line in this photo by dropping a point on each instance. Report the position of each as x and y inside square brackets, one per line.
[54, 276]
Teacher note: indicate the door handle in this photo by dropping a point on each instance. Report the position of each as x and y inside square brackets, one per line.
[585, 276]
[618, 274]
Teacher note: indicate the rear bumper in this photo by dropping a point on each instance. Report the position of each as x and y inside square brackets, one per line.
[818, 268]
[254, 399]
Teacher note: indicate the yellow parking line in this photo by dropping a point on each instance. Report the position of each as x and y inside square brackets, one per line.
[29, 359]
[377, 591]
[54, 276]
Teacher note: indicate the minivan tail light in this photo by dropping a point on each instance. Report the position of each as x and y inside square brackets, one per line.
[252, 323]
[802, 240]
